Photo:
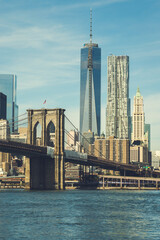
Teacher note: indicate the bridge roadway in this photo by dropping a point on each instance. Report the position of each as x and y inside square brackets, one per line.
[29, 150]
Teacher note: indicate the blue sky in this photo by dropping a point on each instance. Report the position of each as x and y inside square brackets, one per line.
[40, 42]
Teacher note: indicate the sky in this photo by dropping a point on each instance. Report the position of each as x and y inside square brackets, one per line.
[40, 42]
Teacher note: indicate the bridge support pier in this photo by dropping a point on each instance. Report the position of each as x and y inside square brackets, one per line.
[39, 174]
[44, 174]
[59, 173]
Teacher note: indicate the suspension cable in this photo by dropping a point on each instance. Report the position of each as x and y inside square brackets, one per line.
[84, 136]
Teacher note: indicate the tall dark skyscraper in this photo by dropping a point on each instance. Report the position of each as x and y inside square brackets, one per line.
[3, 106]
[90, 86]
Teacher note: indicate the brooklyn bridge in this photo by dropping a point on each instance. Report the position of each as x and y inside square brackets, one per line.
[45, 164]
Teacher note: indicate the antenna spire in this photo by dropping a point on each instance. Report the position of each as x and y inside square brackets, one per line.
[91, 25]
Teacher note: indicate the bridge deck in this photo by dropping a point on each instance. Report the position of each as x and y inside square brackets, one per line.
[29, 150]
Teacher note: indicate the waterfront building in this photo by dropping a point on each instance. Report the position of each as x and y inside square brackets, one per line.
[90, 86]
[72, 171]
[118, 119]
[8, 86]
[3, 106]
[113, 149]
[5, 162]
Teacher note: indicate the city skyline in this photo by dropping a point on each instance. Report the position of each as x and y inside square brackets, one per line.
[40, 43]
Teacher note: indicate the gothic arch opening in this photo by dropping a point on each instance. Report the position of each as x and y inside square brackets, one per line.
[51, 134]
[37, 134]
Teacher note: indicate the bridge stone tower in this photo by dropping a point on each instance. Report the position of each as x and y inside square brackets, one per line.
[46, 173]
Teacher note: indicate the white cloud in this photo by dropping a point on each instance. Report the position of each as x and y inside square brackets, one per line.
[42, 56]
[38, 37]
[87, 4]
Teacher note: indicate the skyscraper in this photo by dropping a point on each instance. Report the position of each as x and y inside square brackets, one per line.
[138, 118]
[90, 86]
[118, 120]
[8, 86]
[3, 106]
[141, 131]
[140, 138]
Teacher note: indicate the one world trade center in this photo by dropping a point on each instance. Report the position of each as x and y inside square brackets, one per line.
[90, 86]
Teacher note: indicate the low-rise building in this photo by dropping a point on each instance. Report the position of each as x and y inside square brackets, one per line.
[21, 136]
[156, 160]
[4, 129]
[139, 154]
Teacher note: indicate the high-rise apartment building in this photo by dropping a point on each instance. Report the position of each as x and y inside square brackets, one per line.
[118, 120]
[90, 86]
[117, 150]
[8, 86]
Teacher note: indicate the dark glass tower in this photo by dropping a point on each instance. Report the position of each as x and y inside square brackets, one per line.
[3, 106]
[90, 86]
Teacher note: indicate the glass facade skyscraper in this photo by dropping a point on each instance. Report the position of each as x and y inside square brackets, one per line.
[8, 86]
[90, 88]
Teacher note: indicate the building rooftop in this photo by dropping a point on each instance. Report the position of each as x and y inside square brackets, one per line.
[138, 94]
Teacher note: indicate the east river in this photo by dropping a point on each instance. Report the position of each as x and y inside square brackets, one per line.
[79, 214]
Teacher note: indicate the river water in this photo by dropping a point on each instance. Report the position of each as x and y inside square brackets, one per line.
[79, 214]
